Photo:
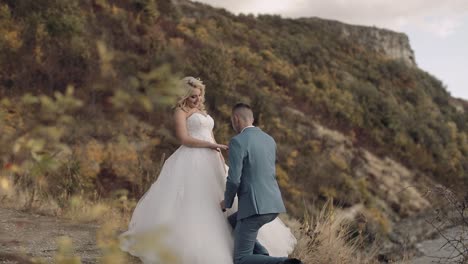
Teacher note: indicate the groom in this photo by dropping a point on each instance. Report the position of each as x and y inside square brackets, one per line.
[252, 156]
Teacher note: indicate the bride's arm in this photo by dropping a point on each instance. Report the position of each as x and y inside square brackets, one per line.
[214, 140]
[180, 118]
[212, 136]
[223, 162]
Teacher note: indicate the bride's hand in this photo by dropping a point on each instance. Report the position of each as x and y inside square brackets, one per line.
[219, 147]
[222, 204]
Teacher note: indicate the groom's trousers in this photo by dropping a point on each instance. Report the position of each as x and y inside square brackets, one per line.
[247, 250]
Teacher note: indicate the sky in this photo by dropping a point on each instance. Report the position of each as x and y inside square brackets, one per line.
[437, 29]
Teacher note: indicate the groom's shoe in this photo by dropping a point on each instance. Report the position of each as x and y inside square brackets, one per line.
[292, 261]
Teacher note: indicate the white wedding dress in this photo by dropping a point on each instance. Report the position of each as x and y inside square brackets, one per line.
[179, 220]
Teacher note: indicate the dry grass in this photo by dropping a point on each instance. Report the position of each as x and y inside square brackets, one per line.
[321, 239]
[21, 199]
[111, 215]
[325, 239]
[76, 208]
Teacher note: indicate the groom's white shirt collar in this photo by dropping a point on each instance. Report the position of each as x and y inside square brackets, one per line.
[246, 128]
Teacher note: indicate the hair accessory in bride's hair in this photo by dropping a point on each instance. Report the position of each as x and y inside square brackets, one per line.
[191, 83]
[194, 82]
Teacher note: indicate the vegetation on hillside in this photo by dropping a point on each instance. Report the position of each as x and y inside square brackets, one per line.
[87, 86]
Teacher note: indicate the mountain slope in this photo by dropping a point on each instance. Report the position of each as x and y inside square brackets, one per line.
[355, 119]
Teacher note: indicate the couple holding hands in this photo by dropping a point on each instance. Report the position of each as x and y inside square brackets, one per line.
[192, 205]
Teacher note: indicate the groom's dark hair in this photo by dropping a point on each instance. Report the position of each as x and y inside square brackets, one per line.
[244, 111]
[240, 106]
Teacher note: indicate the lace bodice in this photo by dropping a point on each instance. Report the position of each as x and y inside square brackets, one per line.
[200, 126]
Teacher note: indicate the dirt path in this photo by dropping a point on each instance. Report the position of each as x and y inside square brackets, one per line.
[433, 250]
[25, 235]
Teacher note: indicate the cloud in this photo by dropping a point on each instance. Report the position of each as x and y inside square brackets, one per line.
[441, 18]
[441, 26]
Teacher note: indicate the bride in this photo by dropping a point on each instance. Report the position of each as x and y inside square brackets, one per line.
[178, 220]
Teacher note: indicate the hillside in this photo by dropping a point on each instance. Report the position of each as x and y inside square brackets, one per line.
[87, 86]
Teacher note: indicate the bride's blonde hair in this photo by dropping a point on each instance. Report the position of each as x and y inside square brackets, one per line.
[188, 84]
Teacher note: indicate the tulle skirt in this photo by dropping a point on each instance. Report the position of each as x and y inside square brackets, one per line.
[179, 220]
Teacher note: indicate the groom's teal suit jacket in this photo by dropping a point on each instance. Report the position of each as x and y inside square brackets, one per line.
[252, 174]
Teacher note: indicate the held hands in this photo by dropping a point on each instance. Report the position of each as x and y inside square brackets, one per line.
[219, 147]
[223, 206]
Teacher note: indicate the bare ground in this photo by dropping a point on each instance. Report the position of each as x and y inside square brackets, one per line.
[24, 236]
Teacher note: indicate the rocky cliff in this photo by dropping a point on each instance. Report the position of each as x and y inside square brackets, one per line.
[391, 44]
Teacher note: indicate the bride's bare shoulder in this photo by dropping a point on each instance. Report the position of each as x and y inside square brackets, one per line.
[180, 112]
[184, 113]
